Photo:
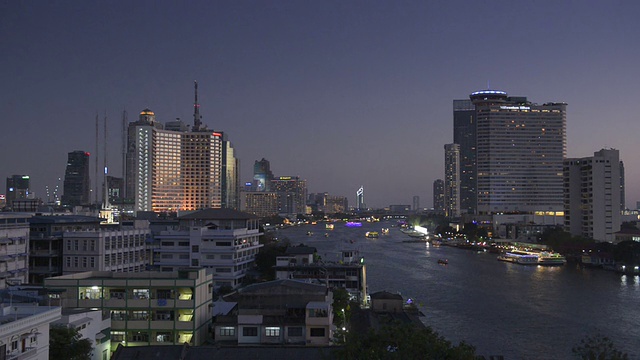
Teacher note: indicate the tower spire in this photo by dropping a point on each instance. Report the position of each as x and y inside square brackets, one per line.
[196, 109]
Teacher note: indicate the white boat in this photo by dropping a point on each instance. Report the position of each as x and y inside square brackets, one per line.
[519, 257]
[548, 259]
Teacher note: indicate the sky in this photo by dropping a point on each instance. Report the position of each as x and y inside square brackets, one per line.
[341, 93]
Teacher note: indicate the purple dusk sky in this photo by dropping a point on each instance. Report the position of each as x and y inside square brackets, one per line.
[340, 93]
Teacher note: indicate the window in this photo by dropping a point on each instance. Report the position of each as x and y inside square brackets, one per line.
[92, 262]
[140, 293]
[227, 331]
[317, 332]
[84, 262]
[194, 262]
[318, 313]
[272, 331]
[167, 243]
[68, 258]
[250, 331]
[139, 315]
[163, 336]
[183, 243]
[117, 336]
[294, 331]
[223, 243]
[195, 248]
[140, 337]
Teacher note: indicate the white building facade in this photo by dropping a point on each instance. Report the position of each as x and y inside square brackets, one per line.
[14, 249]
[24, 331]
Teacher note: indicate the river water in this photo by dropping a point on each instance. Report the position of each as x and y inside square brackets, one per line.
[520, 312]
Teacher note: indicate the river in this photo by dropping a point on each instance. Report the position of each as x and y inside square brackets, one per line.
[520, 312]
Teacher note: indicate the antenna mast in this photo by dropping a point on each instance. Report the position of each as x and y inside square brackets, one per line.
[196, 110]
[124, 155]
[105, 204]
[95, 195]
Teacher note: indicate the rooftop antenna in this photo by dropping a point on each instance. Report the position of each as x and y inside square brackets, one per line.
[95, 195]
[124, 154]
[105, 204]
[196, 110]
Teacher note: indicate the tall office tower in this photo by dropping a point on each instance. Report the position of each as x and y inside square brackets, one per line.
[171, 170]
[438, 195]
[360, 205]
[623, 205]
[451, 180]
[520, 148]
[464, 134]
[416, 203]
[292, 194]
[230, 176]
[592, 196]
[17, 188]
[115, 188]
[262, 175]
[77, 184]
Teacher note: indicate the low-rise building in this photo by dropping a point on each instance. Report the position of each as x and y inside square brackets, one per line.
[278, 312]
[224, 241]
[14, 245]
[24, 331]
[146, 308]
[92, 325]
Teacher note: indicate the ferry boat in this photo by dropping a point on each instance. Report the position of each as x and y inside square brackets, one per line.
[548, 259]
[443, 261]
[353, 224]
[372, 234]
[328, 226]
[385, 231]
[519, 257]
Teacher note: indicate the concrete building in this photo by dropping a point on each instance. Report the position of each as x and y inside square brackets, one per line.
[91, 325]
[520, 148]
[18, 188]
[14, 249]
[278, 312]
[224, 241]
[349, 272]
[451, 180]
[438, 195]
[592, 195]
[259, 203]
[147, 308]
[292, 194]
[24, 331]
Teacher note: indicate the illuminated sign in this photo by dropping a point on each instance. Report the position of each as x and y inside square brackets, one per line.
[285, 177]
[248, 183]
[515, 107]
[25, 177]
[217, 134]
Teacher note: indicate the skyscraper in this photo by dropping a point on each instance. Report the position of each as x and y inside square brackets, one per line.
[292, 194]
[464, 134]
[451, 180]
[230, 176]
[77, 184]
[360, 205]
[592, 195]
[520, 147]
[170, 168]
[438, 195]
[262, 175]
[17, 188]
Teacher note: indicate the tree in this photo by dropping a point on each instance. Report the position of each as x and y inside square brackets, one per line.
[66, 343]
[402, 341]
[598, 347]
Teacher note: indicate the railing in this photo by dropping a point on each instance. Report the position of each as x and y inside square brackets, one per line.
[27, 353]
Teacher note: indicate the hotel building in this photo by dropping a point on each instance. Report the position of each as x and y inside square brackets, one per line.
[520, 151]
[451, 180]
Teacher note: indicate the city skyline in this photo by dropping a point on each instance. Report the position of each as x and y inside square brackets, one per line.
[342, 94]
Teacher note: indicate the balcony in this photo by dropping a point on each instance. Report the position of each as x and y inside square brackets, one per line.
[26, 354]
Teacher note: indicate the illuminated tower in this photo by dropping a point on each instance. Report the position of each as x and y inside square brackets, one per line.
[438, 195]
[17, 188]
[262, 175]
[464, 134]
[360, 205]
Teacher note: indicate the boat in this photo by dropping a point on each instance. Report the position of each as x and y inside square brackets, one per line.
[519, 257]
[326, 234]
[443, 261]
[436, 243]
[309, 233]
[353, 224]
[372, 234]
[549, 259]
[385, 231]
[328, 226]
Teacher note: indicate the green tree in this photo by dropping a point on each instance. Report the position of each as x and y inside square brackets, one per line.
[66, 343]
[402, 341]
[598, 347]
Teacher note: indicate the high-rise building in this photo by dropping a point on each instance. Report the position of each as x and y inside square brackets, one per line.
[262, 175]
[438, 195]
[231, 176]
[17, 188]
[115, 188]
[170, 168]
[77, 184]
[623, 205]
[451, 180]
[360, 205]
[416, 203]
[520, 147]
[592, 200]
[464, 134]
[292, 194]
[259, 203]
